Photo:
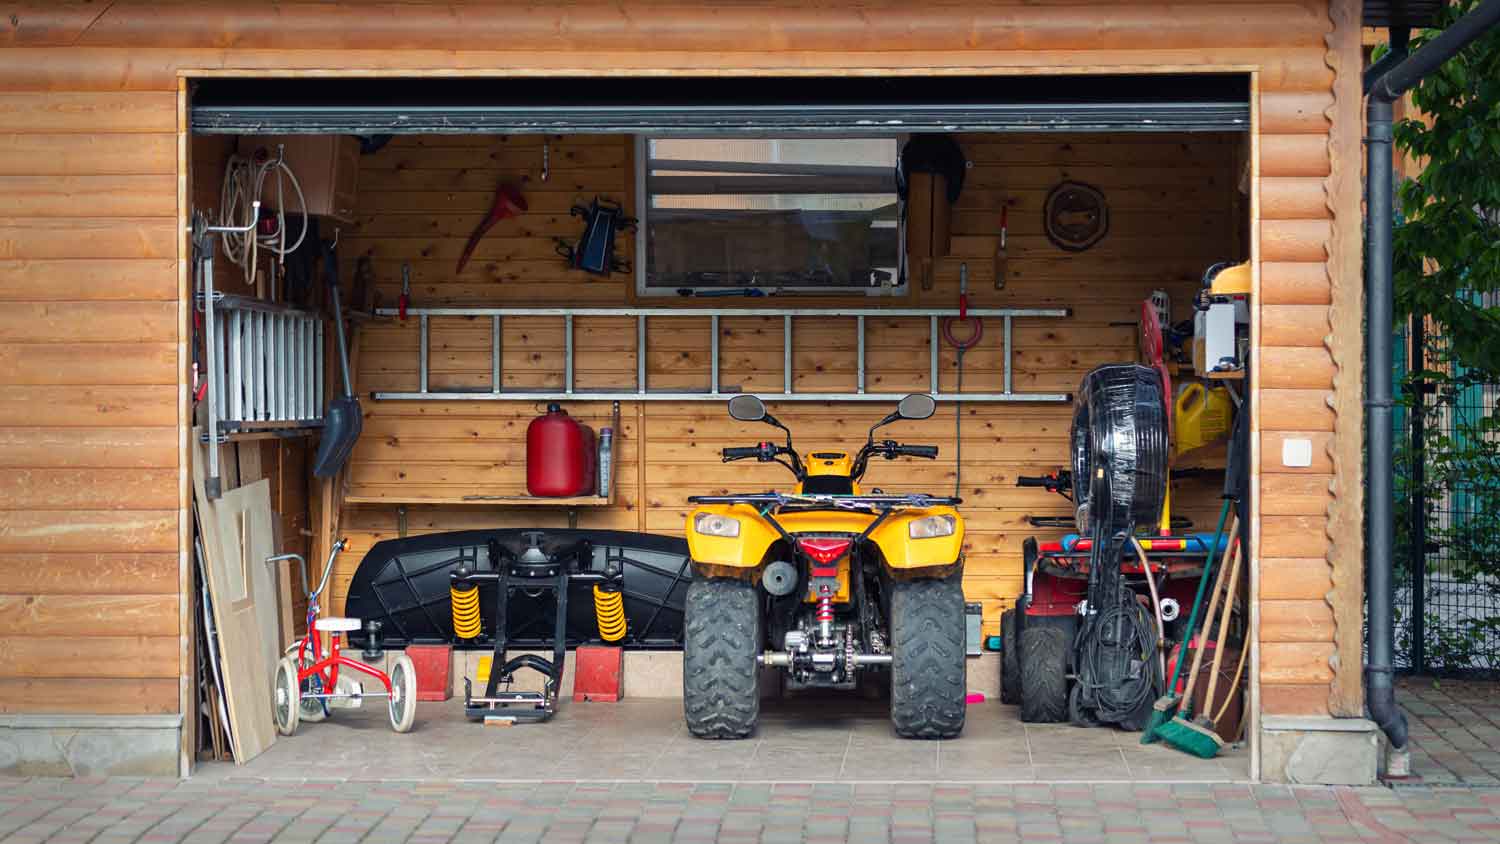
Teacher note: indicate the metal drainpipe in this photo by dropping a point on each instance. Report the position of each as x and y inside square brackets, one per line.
[1379, 529]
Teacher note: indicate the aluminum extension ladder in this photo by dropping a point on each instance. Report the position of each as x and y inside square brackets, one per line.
[642, 391]
[263, 361]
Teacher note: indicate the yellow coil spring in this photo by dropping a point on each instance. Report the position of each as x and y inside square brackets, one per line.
[466, 623]
[609, 609]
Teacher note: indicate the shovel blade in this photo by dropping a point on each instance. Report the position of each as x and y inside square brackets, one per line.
[341, 429]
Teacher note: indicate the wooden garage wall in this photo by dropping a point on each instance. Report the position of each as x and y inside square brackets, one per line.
[88, 402]
[1175, 209]
[88, 93]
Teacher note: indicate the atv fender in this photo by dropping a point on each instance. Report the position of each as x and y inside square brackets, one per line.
[903, 554]
[746, 551]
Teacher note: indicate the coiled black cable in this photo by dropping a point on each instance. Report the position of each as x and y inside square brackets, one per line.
[1117, 661]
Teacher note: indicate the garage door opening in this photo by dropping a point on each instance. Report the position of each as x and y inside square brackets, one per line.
[762, 242]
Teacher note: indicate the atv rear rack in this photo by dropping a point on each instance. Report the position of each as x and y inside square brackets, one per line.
[836, 502]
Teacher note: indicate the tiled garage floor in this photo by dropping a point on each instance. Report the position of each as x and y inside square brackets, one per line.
[826, 740]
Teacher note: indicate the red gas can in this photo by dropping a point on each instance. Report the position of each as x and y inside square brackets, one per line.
[560, 458]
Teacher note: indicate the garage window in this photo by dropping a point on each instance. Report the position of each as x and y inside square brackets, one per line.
[772, 214]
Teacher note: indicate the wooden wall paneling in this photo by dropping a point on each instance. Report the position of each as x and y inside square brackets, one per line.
[49, 89]
[782, 27]
[127, 69]
[1346, 509]
[669, 452]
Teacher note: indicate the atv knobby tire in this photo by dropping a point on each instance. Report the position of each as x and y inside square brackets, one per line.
[1044, 674]
[929, 670]
[1010, 659]
[720, 674]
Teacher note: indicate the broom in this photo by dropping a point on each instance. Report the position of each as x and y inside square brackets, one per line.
[1180, 732]
[1166, 705]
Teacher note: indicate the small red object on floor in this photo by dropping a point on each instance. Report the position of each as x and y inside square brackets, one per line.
[432, 664]
[600, 674]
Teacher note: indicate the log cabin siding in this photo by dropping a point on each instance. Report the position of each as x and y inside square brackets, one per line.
[88, 425]
[86, 110]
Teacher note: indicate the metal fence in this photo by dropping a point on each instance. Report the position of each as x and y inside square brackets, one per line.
[1447, 511]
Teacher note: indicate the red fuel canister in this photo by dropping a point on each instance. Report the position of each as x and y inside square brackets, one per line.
[560, 459]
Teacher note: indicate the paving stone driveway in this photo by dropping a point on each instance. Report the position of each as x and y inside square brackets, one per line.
[1455, 730]
[114, 811]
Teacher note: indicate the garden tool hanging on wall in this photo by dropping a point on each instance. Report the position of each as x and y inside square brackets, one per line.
[595, 251]
[508, 203]
[344, 420]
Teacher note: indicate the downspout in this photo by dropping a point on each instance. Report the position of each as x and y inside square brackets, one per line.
[1383, 91]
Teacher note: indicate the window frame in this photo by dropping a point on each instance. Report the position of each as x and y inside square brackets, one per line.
[641, 147]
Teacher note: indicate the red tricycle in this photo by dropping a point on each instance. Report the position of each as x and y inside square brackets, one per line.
[306, 679]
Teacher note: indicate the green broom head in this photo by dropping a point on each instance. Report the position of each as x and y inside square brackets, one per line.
[1194, 739]
[1161, 712]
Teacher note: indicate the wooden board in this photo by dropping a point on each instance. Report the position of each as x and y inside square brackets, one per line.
[237, 538]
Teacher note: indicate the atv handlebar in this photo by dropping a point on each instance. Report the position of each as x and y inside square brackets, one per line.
[1060, 482]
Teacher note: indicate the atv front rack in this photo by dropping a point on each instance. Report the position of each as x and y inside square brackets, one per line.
[830, 501]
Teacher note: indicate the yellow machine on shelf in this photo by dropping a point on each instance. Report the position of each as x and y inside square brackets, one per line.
[827, 583]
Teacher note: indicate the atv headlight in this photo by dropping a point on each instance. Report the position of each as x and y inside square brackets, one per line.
[713, 524]
[932, 526]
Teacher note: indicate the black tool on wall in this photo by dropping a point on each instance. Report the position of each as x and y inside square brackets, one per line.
[595, 251]
[342, 423]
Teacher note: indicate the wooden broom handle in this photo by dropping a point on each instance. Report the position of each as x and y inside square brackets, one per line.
[1229, 589]
[1213, 604]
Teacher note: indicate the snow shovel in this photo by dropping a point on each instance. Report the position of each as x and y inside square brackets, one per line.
[343, 421]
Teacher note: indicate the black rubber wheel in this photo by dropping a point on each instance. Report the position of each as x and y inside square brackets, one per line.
[929, 672]
[720, 674]
[1010, 659]
[1076, 715]
[1044, 674]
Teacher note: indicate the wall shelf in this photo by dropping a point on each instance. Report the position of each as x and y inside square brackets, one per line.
[500, 500]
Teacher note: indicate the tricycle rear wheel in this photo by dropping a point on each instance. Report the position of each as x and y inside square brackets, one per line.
[286, 697]
[403, 700]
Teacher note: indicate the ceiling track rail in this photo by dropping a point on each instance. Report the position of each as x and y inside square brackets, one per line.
[701, 120]
[642, 392]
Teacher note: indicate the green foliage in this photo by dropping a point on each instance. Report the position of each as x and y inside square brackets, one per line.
[1447, 266]
[1447, 246]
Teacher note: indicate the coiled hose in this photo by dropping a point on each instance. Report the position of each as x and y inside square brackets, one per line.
[245, 183]
[465, 601]
[609, 610]
[1123, 638]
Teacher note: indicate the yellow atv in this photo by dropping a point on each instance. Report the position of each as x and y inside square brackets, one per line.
[825, 583]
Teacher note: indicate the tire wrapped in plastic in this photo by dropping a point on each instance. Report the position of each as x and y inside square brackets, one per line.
[1119, 449]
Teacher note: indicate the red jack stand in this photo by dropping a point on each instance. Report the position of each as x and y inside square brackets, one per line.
[432, 663]
[599, 674]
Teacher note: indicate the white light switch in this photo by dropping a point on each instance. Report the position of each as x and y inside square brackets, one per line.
[1296, 453]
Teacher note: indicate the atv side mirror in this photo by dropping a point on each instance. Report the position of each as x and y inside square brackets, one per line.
[747, 408]
[916, 406]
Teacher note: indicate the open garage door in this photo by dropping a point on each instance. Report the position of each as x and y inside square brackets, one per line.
[699, 106]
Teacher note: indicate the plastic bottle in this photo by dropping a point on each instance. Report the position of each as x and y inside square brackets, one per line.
[606, 460]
